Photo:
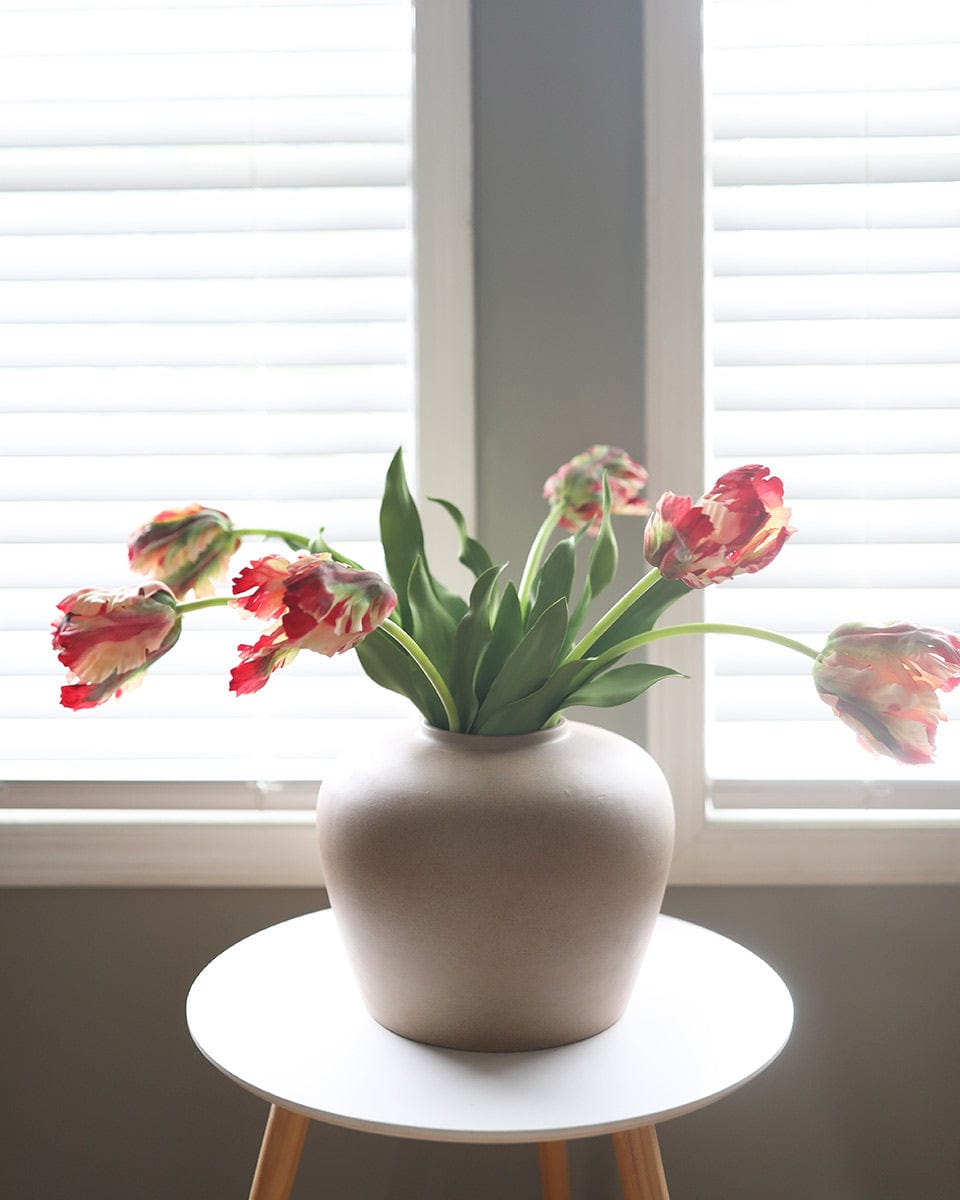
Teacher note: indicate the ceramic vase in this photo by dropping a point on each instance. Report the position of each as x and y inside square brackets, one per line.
[496, 893]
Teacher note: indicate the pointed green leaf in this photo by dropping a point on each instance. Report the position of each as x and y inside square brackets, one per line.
[534, 711]
[389, 665]
[469, 643]
[554, 579]
[530, 665]
[603, 557]
[642, 615]
[472, 554]
[618, 686]
[505, 637]
[601, 568]
[432, 625]
[401, 533]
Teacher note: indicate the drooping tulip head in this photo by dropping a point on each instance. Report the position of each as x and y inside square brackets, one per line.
[317, 604]
[108, 639]
[737, 528]
[187, 548]
[577, 488]
[882, 681]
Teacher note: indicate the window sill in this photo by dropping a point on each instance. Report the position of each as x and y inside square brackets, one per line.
[232, 848]
[144, 848]
[839, 846]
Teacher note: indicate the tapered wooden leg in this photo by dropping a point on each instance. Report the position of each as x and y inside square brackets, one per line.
[638, 1159]
[279, 1154]
[554, 1172]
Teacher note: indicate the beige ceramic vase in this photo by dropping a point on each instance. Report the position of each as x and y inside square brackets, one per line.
[496, 893]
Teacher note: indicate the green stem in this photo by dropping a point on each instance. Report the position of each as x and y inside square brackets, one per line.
[655, 635]
[426, 666]
[195, 605]
[612, 615]
[532, 564]
[294, 540]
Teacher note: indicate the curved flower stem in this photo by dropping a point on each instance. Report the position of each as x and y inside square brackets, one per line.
[296, 541]
[426, 666]
[195, 605]
[530, 567]
[612, 615]
[655, 635]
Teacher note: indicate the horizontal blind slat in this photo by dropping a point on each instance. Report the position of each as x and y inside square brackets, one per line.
[818, 387]
[797, 206]
[202, 29]
[203, 166]
[304, 477]
[291, 72]
[121, 301]
[242, 434]
[367, 387]
[211, 210]
[228, 344]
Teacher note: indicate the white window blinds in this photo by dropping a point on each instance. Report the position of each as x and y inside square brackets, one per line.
[833, 155]
[205, 294]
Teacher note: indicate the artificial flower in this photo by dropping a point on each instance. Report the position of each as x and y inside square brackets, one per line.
[187, 548]
[738, 527]
[107, 640]
[577, 488]
[318, 604]
[882, 681]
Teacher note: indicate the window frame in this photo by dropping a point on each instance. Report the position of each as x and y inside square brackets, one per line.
[202, 840]
[787, 845]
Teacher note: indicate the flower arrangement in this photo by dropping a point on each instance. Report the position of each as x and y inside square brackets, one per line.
[509, 658]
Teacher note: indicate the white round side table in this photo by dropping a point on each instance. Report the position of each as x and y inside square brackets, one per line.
[280, 1014]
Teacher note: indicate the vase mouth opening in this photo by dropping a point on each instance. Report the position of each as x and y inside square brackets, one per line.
[485, 742]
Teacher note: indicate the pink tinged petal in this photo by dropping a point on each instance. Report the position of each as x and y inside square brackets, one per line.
[188, 548]
[737, 528]
[577, 487]
[883, 681]
[264, 580]
[107, 640]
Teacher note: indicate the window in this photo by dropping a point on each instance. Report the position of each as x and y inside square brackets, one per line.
[214, 250]
[802, 204]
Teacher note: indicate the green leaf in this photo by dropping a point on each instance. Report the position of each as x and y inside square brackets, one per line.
[618, 686]
[604, 556]
[389, 665]
[530, 665]
[554, 580]
[472, 554]
[469, 643]
[432, 625]
[601, 567]
[505, 637]
[534, 711]
[401, 533]
[642, 615]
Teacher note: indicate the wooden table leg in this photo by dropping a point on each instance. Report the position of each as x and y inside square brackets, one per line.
[554, 1172]
[639, 1163]
[279, 1154]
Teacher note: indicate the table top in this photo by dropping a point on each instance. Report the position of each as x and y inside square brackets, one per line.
[281, 1015]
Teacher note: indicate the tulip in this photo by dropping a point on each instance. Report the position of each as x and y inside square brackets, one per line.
[317, 603]
[187, 548]
[882, 681]
[107, 640]
[737, 528]
[577, 488]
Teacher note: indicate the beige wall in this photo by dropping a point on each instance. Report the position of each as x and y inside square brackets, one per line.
[104, 1097]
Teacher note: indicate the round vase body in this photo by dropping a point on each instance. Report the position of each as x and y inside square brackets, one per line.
[496, 893]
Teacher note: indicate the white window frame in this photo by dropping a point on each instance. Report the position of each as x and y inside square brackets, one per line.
[202, 845]
[793, 845]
